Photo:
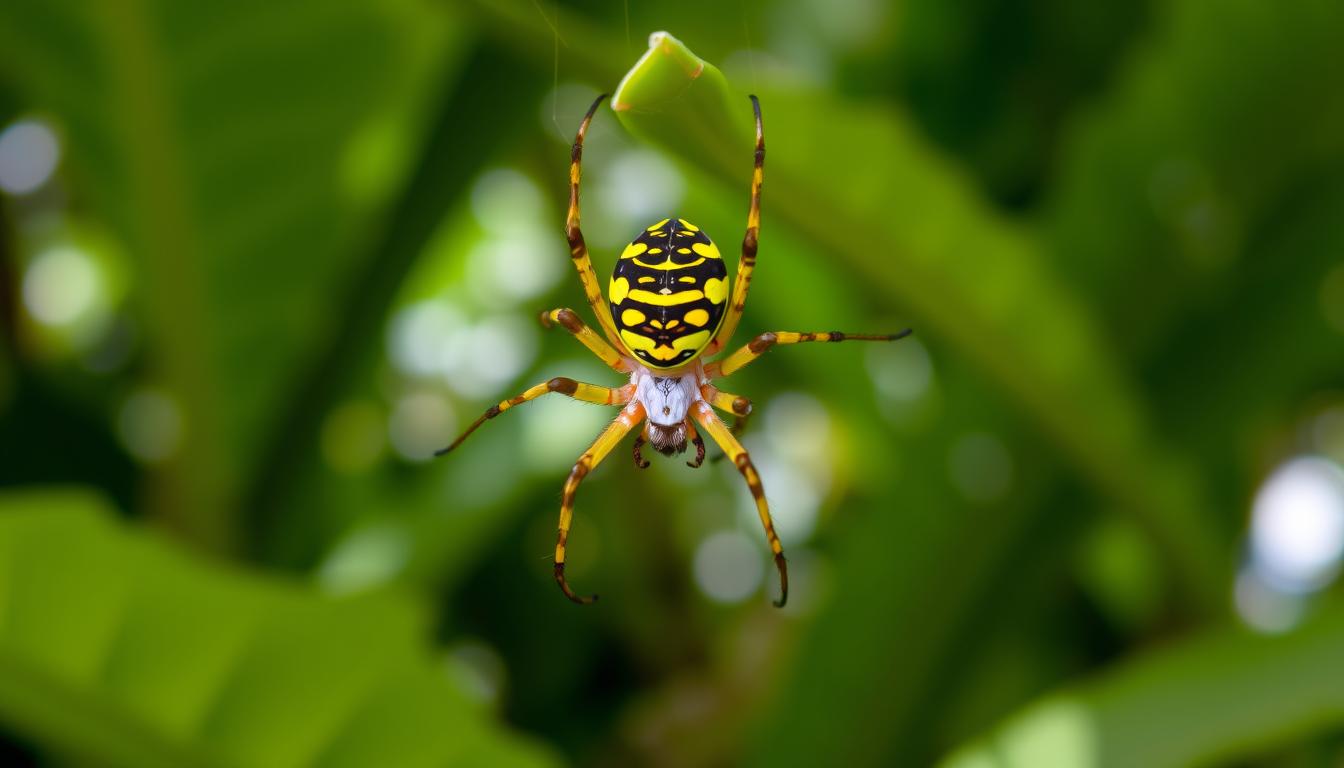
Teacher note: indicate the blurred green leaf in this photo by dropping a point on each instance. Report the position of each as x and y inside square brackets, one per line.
[1210, 700]
[1208, 181]
[240, 152]
[117, 648]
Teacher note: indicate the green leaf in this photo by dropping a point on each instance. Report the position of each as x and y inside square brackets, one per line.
[670, 80]
[1216, 699]
[116, 647]
[240, 153]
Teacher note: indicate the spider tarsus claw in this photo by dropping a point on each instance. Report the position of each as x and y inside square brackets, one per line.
[569, 592]
[783, 567]
[640, 461]
[901, 334]
[699, 453]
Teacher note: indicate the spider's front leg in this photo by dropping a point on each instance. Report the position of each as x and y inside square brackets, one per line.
[626, 421]
[746, 263]
[569, 320]
[578, 248]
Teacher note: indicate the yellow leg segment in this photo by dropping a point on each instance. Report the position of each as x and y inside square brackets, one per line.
[569, 320]
[717, 430]
[759, 345]
[589, 393]
[727, 402]
[578, 249]
[626, 421]
[747, 263]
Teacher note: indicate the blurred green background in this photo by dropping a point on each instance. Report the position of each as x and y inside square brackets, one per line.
[260, 259]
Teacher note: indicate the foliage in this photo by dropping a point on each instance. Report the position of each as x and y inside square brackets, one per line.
[153, 658]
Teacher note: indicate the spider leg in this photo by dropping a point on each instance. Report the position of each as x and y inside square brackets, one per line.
[699, 445]
[640, 461]
[627, 419]
[759, 345]
[578, 249]
[727, 402]
[719, 432]
[589, 393]
[569, 320]
[747, 263]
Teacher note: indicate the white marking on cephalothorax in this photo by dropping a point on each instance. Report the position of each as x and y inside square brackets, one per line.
[666, 399]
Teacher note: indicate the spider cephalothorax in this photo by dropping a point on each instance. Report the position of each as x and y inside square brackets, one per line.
[670, 307]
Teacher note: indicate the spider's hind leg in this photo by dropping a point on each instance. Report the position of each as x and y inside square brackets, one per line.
[721, 435]
[627, 420]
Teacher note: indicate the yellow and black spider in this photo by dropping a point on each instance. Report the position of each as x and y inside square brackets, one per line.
[670, 308]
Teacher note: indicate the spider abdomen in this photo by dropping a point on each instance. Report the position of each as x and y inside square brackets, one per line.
[668, 293]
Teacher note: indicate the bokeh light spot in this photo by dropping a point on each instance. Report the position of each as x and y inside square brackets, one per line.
[61, 286]
[728, 566]
[1264, 608]
[503, 197]
[799, 426]
[421, 423]
[493, 353]
[366, 558]
[641, 187]
[478, 669]
[520, 265]
[1297, 525]
[794, 494]
[900, 371]
[29, 154]
[416, 336]
[150, 425]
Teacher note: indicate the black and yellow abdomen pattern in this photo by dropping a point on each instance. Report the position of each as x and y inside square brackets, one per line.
[668, 293]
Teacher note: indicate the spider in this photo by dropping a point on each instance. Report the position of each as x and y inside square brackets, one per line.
[670, 308]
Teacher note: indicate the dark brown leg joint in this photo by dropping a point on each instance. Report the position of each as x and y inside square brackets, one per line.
[563, 385]
[763, 342]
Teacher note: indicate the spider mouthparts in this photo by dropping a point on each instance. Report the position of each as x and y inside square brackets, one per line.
[667, 440]
[672, 450]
